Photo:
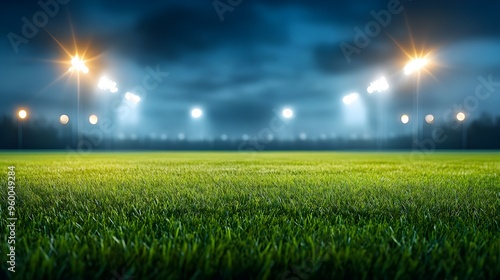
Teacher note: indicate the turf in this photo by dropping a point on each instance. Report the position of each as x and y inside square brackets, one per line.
[265, 216]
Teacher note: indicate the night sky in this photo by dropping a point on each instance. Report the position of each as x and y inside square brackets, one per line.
[242, 61]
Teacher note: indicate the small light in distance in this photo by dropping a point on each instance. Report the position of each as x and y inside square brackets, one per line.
[223, 137]
[405, 119]
[429, 119]
[196, 113]
[351, 98]
[303, 136]
[22, 114]
[132, 98]
[64, 119]
[379, 85]
[287, 113]
[93, 119]
[461, 117]
[415, 65]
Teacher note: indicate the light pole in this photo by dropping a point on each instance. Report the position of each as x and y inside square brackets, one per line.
[197, 129]
[78, 66]
[461, 118]
[380, 85]
[64, 120]
[415, 66]
[22, 115]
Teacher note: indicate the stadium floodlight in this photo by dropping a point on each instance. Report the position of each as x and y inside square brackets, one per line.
[461, 116]
[350, 98]
[64, 119]
[107, 84]
[223, 137]
[196, 113]
[287, 113]
[22, 114]
[405, 119]
[78, 64]
[429, 119]
[132, 98]
[93, 119]
[379, 85]
[415, 65]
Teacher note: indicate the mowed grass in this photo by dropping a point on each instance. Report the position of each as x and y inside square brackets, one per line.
[265, 216]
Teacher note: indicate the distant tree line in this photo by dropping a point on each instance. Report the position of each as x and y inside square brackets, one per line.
[482, 133]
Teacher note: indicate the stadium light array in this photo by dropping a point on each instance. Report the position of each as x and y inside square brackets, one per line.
[107, 84]
[379, 85]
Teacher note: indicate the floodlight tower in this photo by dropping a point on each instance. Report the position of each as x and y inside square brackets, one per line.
[379, 86]
[461, 117]
[416, 65]
[22, 115]
[78, 66]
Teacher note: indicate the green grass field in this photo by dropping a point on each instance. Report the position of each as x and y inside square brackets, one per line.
[268, 216]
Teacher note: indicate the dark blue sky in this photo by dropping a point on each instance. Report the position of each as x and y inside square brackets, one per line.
[240, 62]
